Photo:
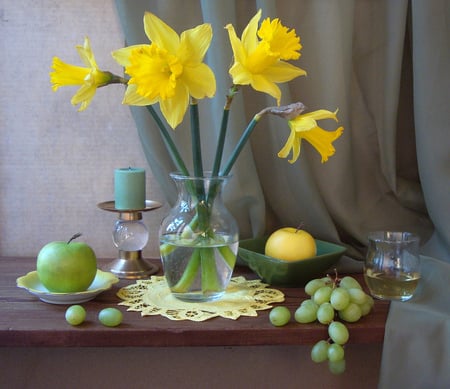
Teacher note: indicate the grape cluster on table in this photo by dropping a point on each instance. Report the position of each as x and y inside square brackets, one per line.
[332, 301]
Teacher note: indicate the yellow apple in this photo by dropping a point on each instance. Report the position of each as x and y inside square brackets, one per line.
[290, 244]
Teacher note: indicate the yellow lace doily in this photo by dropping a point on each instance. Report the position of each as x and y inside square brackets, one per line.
[242, 298]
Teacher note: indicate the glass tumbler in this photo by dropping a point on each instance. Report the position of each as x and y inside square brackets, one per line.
[392, 265]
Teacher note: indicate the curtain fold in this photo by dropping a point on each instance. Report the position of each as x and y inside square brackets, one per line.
[385, 71]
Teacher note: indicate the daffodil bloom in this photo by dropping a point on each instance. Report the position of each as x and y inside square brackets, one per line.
[90, 78]
[169, 70]
[305, 127]
[261, 62]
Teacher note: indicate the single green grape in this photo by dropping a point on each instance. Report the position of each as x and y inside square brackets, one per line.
[309, 303]
[335, 352]
[319, 352]
[349, 282]
[338, 332]
[110, 317]
[306, 313]
[279, 316]
[325, 313]
[322, 295]
[366, 307]
[313, 285]
[351, 314]
[75, 315]
[337, 367]
[340, 298]
[357, 296]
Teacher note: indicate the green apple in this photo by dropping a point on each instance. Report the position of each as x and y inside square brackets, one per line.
[290, 244]
[66, 267]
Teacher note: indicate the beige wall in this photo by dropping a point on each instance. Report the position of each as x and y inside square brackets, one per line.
[56, 164]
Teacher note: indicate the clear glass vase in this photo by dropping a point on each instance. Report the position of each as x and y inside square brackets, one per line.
[199, 240]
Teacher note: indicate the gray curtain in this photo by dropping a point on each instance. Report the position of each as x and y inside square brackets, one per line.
[383, 64]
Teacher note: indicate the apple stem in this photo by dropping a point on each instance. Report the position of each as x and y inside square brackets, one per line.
[300, 227]
[77, 235]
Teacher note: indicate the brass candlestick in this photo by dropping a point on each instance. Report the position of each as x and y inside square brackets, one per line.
[130, 235]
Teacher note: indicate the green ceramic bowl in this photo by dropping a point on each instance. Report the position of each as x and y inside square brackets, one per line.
[288, 273]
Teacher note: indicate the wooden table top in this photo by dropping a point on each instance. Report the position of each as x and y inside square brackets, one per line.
[27, 321]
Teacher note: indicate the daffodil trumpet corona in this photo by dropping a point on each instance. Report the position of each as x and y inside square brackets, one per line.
[169, 71]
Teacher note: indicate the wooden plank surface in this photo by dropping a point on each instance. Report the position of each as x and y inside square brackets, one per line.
[27, 321]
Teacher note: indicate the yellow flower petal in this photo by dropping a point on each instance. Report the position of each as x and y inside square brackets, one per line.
[200, 81]
[174, 109]
[122, 56]
[86, 54]
[239, 52]
[84, 96]
[194, 43]
[160, 33]
[283, 72]
[131, 97]
[249, 35]
[262, 84]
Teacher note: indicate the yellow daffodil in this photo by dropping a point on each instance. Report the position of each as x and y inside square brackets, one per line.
[90, 78]
[260, 62]
[305, 127]
[169, 70]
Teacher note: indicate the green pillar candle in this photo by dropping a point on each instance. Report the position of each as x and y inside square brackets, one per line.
[129, 188]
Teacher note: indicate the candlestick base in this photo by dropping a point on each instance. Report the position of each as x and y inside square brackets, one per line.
[131, 265]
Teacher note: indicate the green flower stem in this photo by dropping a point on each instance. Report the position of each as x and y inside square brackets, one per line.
[171, 147]
[196, 144]
[189, 274]
[220, 143]
[240, 145]
[228, 256]
[210, 280]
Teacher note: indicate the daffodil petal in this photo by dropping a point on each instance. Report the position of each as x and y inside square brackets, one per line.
[84, 95]
[320, 115]
[131, 97]
[236, 45]
[262, 84]
[194, 43]
[174, 109]
[200, 81]
[283, 72]
[249, 35]
[85, 53]
[240, 74]
[295, 150]
[122, 56]
[160, 33]
[284, 152]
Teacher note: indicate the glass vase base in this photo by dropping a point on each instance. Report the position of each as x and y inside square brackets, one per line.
[197, 297]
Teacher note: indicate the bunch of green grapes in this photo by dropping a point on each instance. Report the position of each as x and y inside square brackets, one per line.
[332, 299]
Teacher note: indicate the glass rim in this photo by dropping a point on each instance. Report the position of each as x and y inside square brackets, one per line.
[393, 236]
